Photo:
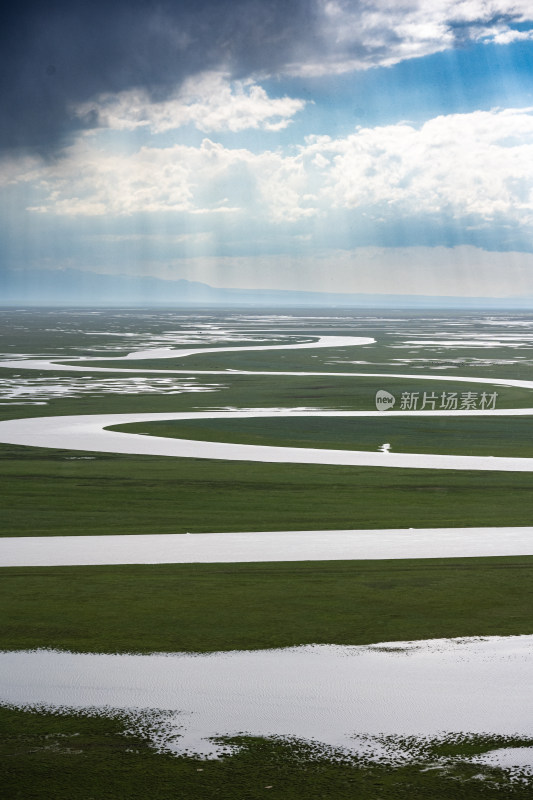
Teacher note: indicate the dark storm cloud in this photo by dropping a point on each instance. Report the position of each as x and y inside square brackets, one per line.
[55, 55]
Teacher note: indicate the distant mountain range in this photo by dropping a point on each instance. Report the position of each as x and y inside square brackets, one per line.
[71, 287]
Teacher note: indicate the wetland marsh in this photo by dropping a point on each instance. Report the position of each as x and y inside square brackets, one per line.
[52, 488]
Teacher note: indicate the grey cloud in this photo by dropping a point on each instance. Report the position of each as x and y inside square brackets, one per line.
[57, 55]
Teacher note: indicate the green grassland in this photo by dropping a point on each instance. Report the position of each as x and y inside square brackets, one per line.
[57, 492]
[384, 356]
[387, 355]
[348, 393]
[496, 436]
[83, 757]
[201, 608]
[64, 333]
[47, 492]
[210, 607]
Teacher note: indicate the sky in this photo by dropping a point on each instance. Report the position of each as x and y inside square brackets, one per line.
[360, 146]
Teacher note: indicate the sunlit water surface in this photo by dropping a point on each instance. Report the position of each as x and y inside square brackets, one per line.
[344, 697]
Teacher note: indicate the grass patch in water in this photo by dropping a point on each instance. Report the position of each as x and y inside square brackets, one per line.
[82, 757]
[495, 436]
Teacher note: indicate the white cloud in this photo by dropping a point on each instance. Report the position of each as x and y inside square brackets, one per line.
[475, 168]
[361, 35]
[88, 181]
[91, 182]
[210, 102]
[478, 164]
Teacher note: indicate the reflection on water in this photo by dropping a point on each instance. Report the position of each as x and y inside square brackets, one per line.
[340, 696]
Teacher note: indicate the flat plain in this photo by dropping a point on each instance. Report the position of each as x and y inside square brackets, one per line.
[227, 607]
